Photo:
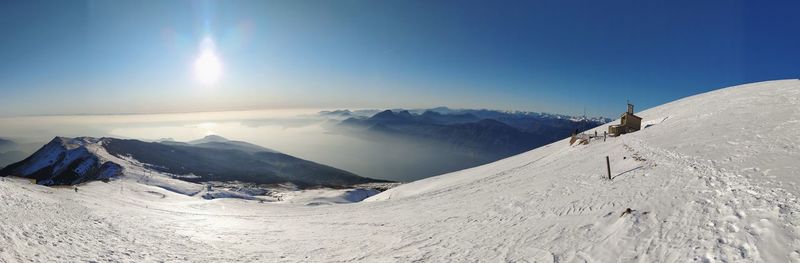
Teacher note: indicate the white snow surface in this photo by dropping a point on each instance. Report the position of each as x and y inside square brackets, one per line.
[50, 153]
[712, 179]
[325, 196]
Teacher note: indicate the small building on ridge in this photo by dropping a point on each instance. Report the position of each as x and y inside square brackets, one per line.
[629, 122]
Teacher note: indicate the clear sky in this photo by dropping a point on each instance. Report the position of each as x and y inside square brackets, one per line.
[74, 57]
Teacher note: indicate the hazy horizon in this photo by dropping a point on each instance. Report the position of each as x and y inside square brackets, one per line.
[301, 133]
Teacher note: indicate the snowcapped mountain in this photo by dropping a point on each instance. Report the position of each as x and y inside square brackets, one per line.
[713, 178]
[507, 115]
[66, 161]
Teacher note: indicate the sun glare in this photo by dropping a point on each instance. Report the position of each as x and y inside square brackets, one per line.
[207, 65]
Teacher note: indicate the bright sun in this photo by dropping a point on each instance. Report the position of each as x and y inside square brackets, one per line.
[207, 66]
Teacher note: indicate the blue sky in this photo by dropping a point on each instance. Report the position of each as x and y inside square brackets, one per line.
[74, 57]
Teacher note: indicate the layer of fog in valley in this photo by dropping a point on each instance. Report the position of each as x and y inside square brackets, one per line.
[301, 133]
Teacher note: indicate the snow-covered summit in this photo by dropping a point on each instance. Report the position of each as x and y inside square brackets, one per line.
[65, 161]
[69, 161]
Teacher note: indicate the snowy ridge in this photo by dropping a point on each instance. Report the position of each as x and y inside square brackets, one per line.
[712, 179]
[65, 161]
[138, 172]
[48, 155]
[68, 161]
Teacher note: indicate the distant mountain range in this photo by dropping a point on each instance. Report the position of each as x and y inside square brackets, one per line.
[219, 142]
[487, 135]
[67, 161]
[479, 113]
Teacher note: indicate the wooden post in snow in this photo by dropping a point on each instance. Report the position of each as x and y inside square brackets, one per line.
[608, 167]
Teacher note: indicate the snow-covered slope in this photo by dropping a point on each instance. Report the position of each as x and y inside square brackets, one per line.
[70, 161]
[65, 161]
[713, 178]
[326, 196]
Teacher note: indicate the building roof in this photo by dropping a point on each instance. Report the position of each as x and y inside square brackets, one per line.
[630, 114]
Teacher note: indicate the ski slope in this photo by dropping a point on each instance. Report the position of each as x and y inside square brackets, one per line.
[713, 178]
